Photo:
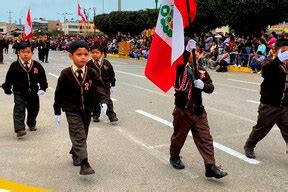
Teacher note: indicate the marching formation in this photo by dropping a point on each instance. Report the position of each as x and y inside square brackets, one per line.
[84, 89]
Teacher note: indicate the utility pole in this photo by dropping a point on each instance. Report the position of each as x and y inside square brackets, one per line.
[94, 9]
[156, 2]
[10, 21]
[64, 15]
[119, 5]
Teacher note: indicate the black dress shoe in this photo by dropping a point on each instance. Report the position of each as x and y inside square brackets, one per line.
[177, 163]
[86, 169]
[214, 171]
[113, 119]
[33, 128]
[96, 119]
[249, 152]
[76, 161]
[21, 133]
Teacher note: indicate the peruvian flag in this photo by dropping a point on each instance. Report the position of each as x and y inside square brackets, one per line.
[28, 27]
[168, 42]
[81, 14]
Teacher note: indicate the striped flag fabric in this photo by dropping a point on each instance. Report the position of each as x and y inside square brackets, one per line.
[168, 41]
[28, 27]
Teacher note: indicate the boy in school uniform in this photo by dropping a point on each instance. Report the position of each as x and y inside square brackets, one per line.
[26, 79]
[107, 75]
[74, 93]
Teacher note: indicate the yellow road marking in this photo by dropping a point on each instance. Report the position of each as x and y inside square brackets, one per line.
[9, 186]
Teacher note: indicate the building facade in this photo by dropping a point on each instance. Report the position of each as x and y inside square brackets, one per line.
[78, 28]
[54, 25]
[40, 25]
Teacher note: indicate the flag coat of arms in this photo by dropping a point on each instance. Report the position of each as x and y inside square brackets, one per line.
[28, 27]
[168, 41]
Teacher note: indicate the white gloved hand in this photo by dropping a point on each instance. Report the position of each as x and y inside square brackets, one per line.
[199, 84]
[112, 89]
[283, 56]
[58, 119]
[191, 45]
[40, 92]
[104, 107]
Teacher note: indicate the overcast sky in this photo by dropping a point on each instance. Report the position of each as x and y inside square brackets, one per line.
[54, 9]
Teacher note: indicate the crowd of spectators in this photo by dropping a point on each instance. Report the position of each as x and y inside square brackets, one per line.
[217, 50]
[223, 50]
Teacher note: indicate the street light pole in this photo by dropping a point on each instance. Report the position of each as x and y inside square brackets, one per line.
[94, 9]
[156, 2]
[119, 5]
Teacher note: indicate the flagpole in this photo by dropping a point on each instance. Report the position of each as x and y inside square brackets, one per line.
[78, 32]
[198, 92]
[193, 50]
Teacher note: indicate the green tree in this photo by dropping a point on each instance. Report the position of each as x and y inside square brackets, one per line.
[246, 16]
[133, 22]
[205, 19]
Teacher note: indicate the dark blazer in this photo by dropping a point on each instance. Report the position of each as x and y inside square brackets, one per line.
[105, 71]
[73, 96]
[181, 97]
[25, 82]
[273, 85]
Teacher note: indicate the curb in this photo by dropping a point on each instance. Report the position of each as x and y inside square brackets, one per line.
[124, 57]
[230, 67]
[239, 69]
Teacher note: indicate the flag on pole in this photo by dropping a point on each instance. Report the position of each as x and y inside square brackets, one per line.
[28, 27]
[81, 14]
[168, 42]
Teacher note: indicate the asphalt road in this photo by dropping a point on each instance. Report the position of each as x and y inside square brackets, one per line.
[133, 154]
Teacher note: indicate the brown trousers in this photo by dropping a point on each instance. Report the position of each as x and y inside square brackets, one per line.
[184, 121]
[268, 116]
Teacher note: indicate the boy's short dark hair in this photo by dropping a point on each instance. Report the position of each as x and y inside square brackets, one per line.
[26, 44]
[98, 47]
[78, 44]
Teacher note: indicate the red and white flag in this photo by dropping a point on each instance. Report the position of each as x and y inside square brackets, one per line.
[168, 42]
[28, 27]
[81, 14]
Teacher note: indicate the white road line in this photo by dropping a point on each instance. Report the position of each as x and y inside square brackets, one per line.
[130, 67]
[53, 75]
[150, 149]
[246, 89]
[252, 90]
[131, 74]
[120, 62]
[113, 99]
[148, 90]
[230, 114]
[216, 145]
[251, 101]
[248, 82]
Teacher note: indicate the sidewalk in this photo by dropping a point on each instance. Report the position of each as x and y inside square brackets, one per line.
[230, 67]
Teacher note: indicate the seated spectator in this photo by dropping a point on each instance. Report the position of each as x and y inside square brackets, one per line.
[257, 62]
[223, 61]
[262, 46]
[213, 58]
[271, 54]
